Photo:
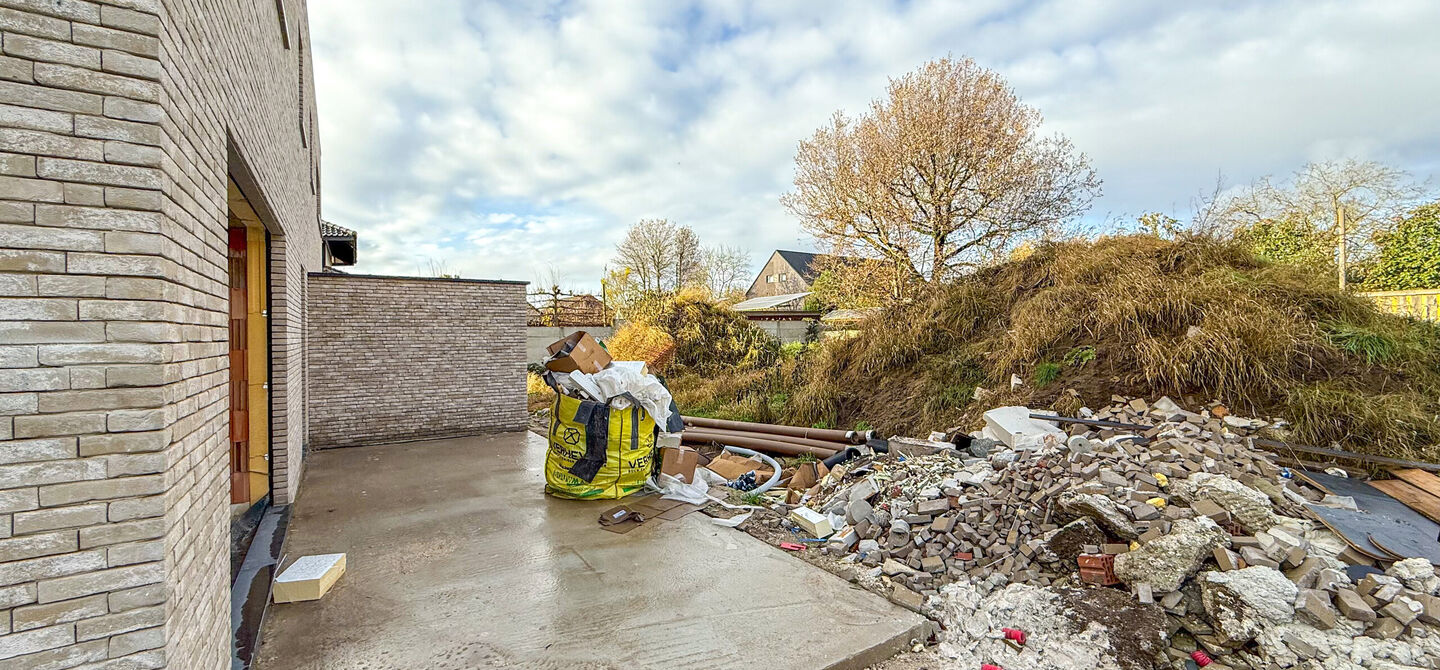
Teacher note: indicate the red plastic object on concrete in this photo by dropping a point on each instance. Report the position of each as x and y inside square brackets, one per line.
[1201, 658]
[987, 666]
[1014, 634]
[791, 546]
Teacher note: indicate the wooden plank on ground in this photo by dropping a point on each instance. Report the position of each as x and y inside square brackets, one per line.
[1412, 496]
[1337, 453]
[1420, 479]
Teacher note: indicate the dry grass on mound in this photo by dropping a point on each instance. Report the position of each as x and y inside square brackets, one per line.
[1198, 320]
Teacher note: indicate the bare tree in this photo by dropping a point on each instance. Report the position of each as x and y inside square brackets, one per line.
[688, 258]
[943, 174]
[1208, 208]
[1348, 200]
[648, 251]
[725, 269]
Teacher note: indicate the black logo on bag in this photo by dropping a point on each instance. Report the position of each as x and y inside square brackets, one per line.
[570, 436]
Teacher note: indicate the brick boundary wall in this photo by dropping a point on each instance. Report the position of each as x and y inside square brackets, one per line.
[402, 358]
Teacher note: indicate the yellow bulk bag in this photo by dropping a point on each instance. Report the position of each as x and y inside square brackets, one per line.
[596, 451]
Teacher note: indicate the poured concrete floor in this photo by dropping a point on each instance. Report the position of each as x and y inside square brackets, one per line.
[457, 560]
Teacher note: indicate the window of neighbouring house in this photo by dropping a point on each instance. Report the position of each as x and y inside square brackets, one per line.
[784, 277]
[769, 279]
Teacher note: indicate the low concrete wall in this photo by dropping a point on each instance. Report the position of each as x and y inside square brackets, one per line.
[402, 358]
[1420, 304]
[787, 331]
[539, 337]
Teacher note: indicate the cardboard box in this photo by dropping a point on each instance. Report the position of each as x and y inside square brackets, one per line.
[679, 462]
[807, 475]
[308, 578]
[580, 352]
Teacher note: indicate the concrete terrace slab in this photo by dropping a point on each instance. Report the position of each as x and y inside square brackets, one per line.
[458, 560]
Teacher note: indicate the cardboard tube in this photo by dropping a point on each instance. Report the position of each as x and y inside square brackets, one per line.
[827, 434]
[756, 443]
[720, 432]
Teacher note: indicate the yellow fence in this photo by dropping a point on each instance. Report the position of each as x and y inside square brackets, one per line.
[1421, 304]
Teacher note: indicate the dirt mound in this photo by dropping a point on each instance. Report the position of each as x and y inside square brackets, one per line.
[1198, 320]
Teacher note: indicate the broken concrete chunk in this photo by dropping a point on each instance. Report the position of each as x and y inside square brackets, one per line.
[1242, 603]
[1102, 510]
[1248, 507]
[1415, 574]
[1167, 562]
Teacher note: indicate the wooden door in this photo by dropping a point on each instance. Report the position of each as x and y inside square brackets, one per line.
[239, 388]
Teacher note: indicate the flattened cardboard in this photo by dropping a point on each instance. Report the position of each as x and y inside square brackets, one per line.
[678, 511]
[621, 519]
[654, 507]
[730, 466]
[578, 351]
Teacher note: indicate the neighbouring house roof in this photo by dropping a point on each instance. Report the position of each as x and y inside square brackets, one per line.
[848, 315]
[767, 302]
[340, 244]
[803, 262]
[570, 310]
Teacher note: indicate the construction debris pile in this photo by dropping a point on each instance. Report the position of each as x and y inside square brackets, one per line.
[1186, 515]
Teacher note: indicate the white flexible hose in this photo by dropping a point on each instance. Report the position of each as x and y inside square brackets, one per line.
[774, 466]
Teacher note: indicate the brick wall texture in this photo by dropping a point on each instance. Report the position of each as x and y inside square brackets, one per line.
[119, 122]
[395, 359]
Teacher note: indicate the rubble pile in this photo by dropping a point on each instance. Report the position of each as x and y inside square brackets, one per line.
[1185, 515]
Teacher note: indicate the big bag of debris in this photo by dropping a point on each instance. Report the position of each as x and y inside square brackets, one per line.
[598, 450]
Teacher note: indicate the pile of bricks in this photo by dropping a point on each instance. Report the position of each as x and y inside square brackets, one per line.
[1150, 510]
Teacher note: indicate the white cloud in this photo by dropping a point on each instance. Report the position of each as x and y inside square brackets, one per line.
[503, 139]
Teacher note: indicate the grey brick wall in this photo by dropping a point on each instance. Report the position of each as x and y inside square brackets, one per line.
[395, 359]
[119, 122]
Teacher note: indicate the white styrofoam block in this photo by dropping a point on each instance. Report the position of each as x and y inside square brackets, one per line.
[1013, 426]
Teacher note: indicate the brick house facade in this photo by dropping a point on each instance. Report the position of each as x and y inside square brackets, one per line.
[132, 133]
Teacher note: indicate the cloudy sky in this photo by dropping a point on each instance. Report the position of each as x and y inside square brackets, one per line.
[512, 140]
